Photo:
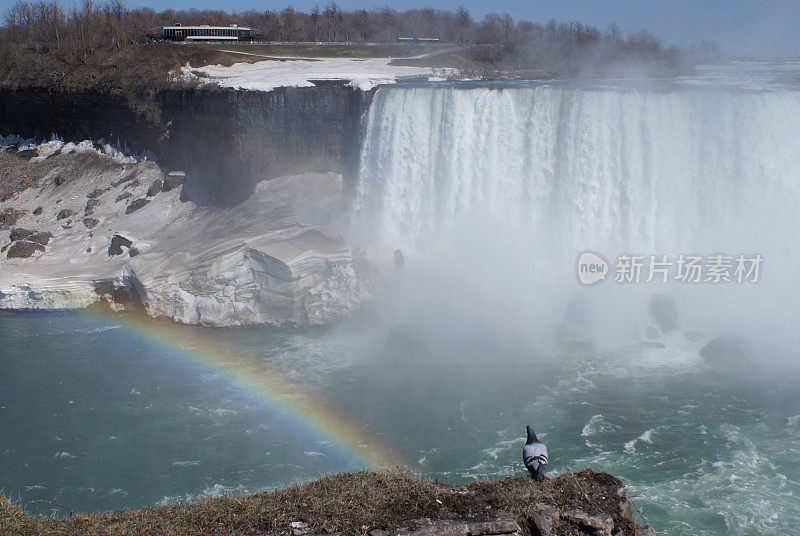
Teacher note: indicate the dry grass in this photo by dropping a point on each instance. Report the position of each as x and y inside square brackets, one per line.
[347, 503]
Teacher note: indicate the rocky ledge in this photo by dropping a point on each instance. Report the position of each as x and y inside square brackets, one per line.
[89, 224]
[374, 504]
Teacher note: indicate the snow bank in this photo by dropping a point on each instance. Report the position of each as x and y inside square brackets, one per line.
[361, 73]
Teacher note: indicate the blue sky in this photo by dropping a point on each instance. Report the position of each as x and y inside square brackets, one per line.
[766, 28]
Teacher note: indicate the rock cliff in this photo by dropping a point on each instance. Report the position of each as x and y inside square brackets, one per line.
[86, 225]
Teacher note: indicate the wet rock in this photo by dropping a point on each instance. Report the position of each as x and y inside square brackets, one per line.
[598, 525]
[90, 223]
[65, 213]
[155, 188]
[727, 350]
[117, 243]
[123, 196]
[136, 205]
[173, 180]
[37, 211]
[23, 249]
[542, 518]
[663, 313]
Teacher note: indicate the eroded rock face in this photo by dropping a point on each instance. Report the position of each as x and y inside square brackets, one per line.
[298, 275]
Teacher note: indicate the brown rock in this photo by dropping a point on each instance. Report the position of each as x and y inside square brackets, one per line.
[90, 204]
[155, 188]
[136, 205]
[122, 196]
[90, 223]
[97, 192]
[65, 213]
[20, 234]
[22, 249]
[117, 243]
[37, 211]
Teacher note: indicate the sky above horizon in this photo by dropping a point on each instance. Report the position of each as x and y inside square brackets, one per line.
[742, 27]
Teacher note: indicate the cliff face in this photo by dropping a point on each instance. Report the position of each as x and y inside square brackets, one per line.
[228, 140]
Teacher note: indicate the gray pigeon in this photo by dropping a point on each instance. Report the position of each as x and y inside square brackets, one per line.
[534, 455]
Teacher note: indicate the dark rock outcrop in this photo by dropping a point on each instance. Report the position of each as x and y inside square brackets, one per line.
[123, 196]
[23, 249]
[174, 179]
[90, 223]
[90, 204]
[136, 205]
[155, 188]
[227, 140]
[41, 238]
[37, 211]
[65, 213]
[117, 243]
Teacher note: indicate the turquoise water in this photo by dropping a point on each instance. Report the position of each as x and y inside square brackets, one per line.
[95, 417]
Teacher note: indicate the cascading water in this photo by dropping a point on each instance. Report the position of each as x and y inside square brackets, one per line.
[646, 169]
[542, 172]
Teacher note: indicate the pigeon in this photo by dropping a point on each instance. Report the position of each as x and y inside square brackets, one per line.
[534, 455]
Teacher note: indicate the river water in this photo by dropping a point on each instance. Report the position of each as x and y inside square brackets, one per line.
[490, 191]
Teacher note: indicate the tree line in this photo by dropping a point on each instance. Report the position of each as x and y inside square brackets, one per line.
[44, 25]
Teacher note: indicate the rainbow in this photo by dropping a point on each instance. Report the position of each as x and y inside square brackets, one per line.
[280, 393]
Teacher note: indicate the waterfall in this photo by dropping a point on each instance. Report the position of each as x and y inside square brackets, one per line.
[590, 168]
[500, 188]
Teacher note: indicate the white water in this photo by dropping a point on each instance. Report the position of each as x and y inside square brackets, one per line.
[647, 169]
[521, 179]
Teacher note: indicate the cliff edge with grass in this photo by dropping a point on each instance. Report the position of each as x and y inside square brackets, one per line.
[374, 504]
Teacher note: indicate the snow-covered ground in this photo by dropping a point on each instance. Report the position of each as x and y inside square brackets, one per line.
[250, 264]
[361, 73]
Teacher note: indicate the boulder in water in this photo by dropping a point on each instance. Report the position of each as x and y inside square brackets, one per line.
[663, 313]
[726, 350]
